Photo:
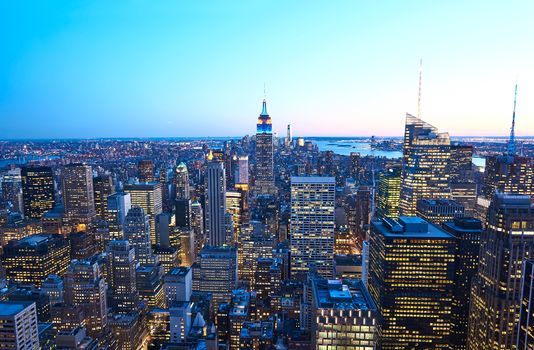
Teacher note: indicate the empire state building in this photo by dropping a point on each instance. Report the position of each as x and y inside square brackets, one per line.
[264, 153]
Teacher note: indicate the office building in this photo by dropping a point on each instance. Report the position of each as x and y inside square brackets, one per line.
[235, 207]
[12, 190]
[388, 194]
[147, 196]
[182, 213]
[505, 244]
[215, 272]
[32, 259]
[137, 232]
[216, 204]
[128, 331]
[85, 287]
[37, 191]
[241, 170]
[78, 195]
[149, 284]
[411, 278]
[525, 337]
[146, 171]
[461, 163]
[181, 182]
[426, 156]
[117, 207]
[257, 335]
[312, 225]
[18, 326]
[345, 316]
[178, 285]
[103, 188]
[121, 276]
[264, 179]
[467, 232]
[438, 211]
[508, 174]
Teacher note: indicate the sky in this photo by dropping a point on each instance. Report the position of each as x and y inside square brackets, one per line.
[156, 68]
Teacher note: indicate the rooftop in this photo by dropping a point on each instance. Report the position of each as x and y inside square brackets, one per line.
[346, 295]
[409, 227]
[8, 308]
[313, 180]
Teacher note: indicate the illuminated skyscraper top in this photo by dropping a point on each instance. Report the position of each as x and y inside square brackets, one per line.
[264, 125]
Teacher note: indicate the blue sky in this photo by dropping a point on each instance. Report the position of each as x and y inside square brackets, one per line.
[197, 68]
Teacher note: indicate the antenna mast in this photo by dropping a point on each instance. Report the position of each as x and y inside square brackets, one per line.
[420, 87]
[511, 142]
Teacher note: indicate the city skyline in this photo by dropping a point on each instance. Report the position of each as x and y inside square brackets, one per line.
[133, 69]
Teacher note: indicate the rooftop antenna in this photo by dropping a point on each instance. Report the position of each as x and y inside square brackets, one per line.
[264, 91]
[420, 86]
[511, 142]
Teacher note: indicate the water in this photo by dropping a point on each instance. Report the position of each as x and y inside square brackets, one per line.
[345, 147]
[24, 160]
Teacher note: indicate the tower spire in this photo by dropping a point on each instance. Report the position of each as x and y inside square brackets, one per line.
[420, 87]
[511, 142]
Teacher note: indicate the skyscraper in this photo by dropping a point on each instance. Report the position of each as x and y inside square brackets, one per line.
[146, 171]
[31, 259]
[216, 272]
[181, 182]
[103, 187]
[525, 338]
[411, 273]
[388, 196]
[426, 156]
[264, 180]
[289, 138]
[18, 326]
[85, 287]
[312, 225]
[137, 232]
[216, 203]
[346, 315]
[509, 174]
[461, 163]
[147, 196]
[12, 190]
[118, 205]
[467, 232]
[241, 171]
[37, 191]
[121, 276]
[506, 243]
[78, 195]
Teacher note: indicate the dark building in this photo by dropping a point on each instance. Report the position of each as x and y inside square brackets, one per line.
[146, 171]
[37, 191]
[102, 187]
[438, 211]
[461, 163]
[505, 244]
[183, 213]
[525, 338]
[467, 232]
[411, 276]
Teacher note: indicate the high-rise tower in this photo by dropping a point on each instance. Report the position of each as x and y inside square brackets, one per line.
[216, 203]
[426, 160]
[264, 153]
[37, 191]
[78, 195]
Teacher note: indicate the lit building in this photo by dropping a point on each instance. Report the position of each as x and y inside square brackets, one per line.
[37, 191]
[241, 171]
[525, 338]
[53, 287]
[466, 194]
[18, 326]
[149, 197]
[197, 224]
[355, 168]
[254, 243]
[467, 232]
[85, 287]
[146, 170]
[216, 272]
[31, 259]
[358, 212]
[345, 316]
[506, 243]
[180, 320]
[388, 194]
[426, 162]
[149, 284]
[159, 326]
[78, 195]
[103, 187]
[128, 331]
[118, 205]
[137, 232]
[348, 266]
[234, 206]
[312, 225]
[461, 163]
[257, 335]
[438, 211]
[216, 204]
[239, 312]
[264, 179]
[178, 285]
[181, 182]
[122, 277]
[12, 190]
[411, 276]
[508, 174]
